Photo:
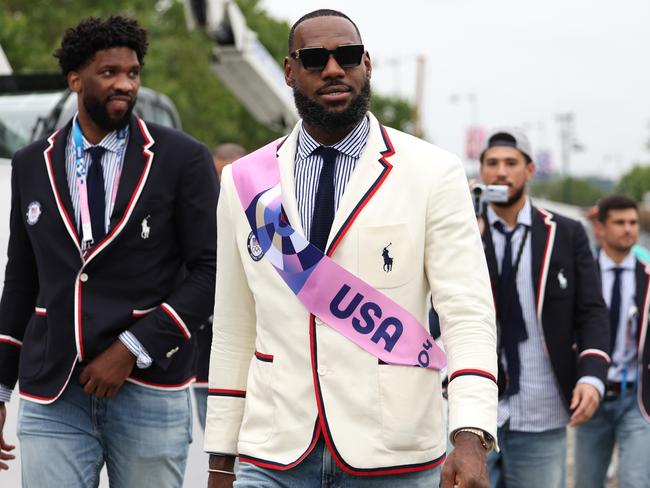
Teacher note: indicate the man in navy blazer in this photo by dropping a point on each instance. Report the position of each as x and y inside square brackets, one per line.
[111, 266]
[623, 418]
[552, 322]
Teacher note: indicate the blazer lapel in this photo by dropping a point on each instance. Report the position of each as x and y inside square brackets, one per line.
[56, 168]
[370, 172]
[542, 238]
[132, 167]
[641, 296]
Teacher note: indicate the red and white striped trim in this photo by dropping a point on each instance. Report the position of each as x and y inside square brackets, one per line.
[161, 387]
[177, 319]
[134, 197]
[78, 334]
[548, 216]
[69, 225]
[142, 313]
[595, 352]
[45, 400]
[11, 340]
[200, 384]
[40, 311]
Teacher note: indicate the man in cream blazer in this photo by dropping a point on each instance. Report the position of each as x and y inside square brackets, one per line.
[284, 386]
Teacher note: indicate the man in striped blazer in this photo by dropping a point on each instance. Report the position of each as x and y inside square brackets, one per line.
[111, 266]
[552, 322]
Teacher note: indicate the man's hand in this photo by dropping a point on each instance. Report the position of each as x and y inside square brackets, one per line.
[465, 466]
[221, 480]
[4, 447]
[105, 374]
[584, 403]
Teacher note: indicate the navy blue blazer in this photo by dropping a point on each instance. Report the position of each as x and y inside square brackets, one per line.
[153, 274]
[574, 317]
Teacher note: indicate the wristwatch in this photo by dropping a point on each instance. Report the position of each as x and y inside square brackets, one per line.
[487, 441]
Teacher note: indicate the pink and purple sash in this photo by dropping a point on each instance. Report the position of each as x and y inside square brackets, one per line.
[340, 299]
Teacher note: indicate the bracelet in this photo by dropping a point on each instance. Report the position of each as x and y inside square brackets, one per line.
[212, 470]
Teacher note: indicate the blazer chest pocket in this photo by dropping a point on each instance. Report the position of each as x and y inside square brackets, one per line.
[386, 255]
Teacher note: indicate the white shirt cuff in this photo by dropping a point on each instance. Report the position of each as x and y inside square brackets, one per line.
[595, 382]
[5, 393]
[143, 360]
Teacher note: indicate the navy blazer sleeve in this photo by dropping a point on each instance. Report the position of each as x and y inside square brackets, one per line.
[591, 316]
[20, 287]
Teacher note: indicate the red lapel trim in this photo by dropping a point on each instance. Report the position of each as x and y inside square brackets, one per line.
[546, 260]
[69, 224]
[390, 151]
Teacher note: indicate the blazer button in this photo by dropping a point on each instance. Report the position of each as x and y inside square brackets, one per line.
[322, 370]
[83, 277]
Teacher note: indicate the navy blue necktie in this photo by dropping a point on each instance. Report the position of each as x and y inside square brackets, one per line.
[96, 193]
[615, 306]
[323, 216]
[511, 317]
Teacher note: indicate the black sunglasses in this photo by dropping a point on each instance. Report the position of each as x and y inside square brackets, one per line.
[316, 58]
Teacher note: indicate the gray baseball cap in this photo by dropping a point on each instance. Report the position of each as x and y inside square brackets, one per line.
[509, 137]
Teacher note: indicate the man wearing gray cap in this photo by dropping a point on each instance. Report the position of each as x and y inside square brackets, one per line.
[553, 324]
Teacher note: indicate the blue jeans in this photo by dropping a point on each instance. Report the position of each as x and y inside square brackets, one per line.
[201, 400]
[318, 469]
[615, 421]
[528, 459]
[142, 435]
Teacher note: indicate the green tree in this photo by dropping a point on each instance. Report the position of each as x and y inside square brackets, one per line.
[177, 63]
[581, 192]
[635, 183]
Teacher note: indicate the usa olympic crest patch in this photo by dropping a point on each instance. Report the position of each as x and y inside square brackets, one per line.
[254, 249]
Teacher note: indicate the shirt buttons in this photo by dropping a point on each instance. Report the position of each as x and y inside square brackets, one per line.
[83, 277]
[322, 370]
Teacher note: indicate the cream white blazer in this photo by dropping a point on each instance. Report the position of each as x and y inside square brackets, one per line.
[280, 378]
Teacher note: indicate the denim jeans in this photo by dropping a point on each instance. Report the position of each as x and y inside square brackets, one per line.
[142, 435]
[615, 421]
[201, 400]
[528, 459]
[318, 469]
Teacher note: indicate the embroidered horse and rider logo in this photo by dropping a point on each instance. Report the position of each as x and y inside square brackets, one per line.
[388, 259]
[146, 229]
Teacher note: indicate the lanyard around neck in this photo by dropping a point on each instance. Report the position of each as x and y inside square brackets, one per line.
[81, 169]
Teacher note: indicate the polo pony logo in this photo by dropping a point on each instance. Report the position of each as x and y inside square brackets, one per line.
[388, 260]
[145, 227]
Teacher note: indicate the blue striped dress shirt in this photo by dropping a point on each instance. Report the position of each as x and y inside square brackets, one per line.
[538, 406]
[112, 162]
[309, 162]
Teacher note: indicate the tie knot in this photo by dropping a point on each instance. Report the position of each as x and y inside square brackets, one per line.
[498, 225]
[329, 154]
[617, 271]
[96, 153]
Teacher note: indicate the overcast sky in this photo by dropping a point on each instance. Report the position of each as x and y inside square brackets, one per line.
[522, 62]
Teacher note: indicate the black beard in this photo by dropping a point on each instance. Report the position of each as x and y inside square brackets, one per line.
[99, 115]
[511, 200]
[316, 115]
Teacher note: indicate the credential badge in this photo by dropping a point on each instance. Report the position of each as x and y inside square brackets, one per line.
[33, 213]
[254, 248]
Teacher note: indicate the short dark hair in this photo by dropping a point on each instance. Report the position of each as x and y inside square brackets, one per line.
[614, 202]
[79, 44]
[323, 12]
